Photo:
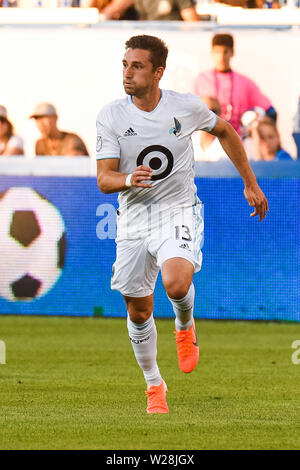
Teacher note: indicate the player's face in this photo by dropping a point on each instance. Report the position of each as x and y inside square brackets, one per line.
[221, 56]
[46, 125]
[138, 74]
[269, 141]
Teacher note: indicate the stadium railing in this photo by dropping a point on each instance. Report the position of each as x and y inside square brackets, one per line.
[221, 14]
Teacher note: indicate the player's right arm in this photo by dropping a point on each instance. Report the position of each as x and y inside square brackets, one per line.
[110, 180]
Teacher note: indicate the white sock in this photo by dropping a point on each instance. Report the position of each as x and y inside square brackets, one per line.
[183, 309]
[143, 337]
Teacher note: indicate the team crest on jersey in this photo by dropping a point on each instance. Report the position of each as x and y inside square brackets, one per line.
[99, 143]
[176, 130]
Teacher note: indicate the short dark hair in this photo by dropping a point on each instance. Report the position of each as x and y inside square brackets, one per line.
[10, 128]
[157, 48]
[222, 39]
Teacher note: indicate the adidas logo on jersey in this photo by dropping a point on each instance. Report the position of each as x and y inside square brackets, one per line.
[185, 246]
[129, 132]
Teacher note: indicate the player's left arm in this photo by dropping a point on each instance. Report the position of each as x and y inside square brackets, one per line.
[233, 146]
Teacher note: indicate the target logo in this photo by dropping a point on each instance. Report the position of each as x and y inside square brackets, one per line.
[159, 159]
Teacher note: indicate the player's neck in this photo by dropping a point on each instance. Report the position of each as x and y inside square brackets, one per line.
[149, 101]
[226, 70]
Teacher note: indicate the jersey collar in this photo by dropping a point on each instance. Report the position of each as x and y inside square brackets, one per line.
[147, 113]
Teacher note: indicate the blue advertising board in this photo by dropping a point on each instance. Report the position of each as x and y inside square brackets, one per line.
[250, 269]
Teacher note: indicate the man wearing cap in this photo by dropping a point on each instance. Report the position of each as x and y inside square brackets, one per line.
[10, 144]
[55, 141]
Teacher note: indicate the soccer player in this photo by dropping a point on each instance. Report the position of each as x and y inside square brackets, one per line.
[145, 153]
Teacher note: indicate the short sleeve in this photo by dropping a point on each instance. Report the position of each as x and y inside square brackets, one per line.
[282, 155]
[204, 119]
[107, 145]
[15, 142]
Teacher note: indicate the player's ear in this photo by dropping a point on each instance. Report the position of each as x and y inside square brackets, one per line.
[159, 72]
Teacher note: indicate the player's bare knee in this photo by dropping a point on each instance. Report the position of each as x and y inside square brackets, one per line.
[139, 309]
[177, 289]
[139, 317]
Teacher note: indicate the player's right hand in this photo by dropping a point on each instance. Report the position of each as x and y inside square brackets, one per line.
[140, 175]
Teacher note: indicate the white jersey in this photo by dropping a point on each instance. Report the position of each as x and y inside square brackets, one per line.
[160, 139]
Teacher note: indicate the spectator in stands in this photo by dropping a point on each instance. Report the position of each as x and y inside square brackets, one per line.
[54, 141]
[235, 92]
[115, 9]
[8, 3]
[10, 144]
[210, 148]
[266, 141]
[165, 10]
[251, 3]
[243, 3]
[233, 3]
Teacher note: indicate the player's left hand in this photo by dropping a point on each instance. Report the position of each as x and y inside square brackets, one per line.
[258, 200]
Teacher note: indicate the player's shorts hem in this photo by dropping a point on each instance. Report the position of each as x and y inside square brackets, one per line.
[144, 293]
[192, 261]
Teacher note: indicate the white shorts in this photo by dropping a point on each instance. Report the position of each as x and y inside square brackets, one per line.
[138, 261]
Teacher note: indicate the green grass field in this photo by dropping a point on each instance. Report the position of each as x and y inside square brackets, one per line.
[73, 383]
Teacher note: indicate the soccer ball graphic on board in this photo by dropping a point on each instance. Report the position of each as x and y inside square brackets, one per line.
[32, 244]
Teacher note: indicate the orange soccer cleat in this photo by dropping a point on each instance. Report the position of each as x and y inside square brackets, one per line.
[157, 402]
[187, 349]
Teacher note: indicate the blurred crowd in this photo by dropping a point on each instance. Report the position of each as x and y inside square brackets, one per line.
[53, 141]
[237, 99]
[228, 93]
[153, 10]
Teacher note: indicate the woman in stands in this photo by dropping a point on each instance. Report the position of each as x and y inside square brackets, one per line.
[267, 142]
[10, 144]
